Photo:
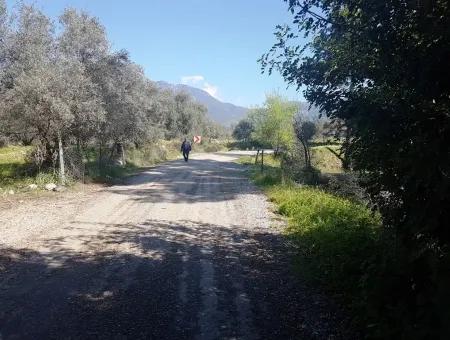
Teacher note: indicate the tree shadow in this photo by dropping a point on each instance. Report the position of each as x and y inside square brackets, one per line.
[160, 280]
[11, 171]
[194, 181]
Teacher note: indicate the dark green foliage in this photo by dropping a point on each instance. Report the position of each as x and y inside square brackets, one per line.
[243, 130]
[305, 131]
[381, 67]
[308, 130]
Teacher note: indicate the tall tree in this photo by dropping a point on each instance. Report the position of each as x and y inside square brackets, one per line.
[380, 67]
[83, 37]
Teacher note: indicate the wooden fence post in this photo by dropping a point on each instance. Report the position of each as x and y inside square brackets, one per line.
[262, 160]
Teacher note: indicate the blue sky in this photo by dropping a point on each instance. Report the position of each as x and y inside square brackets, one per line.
[211, 44]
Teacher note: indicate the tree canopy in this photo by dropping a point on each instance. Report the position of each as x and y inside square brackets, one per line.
[65, 82]
[381, 67]
[273, 122]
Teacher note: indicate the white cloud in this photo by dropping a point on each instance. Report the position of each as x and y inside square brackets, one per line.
[211, 89]
[192, 80]
[200, 82]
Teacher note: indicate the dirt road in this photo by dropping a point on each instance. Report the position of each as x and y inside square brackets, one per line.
[182, 251]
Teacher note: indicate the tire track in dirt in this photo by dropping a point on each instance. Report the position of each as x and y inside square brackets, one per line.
[181, 251]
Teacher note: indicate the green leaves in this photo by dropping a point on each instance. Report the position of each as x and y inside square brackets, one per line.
[376, 66]
[273, 123]
[68, 81]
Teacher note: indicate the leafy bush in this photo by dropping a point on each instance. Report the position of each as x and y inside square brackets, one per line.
[209, 146]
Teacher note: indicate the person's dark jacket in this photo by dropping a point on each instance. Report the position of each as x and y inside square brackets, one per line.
[186, 146]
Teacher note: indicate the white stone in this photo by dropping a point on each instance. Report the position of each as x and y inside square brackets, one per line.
[50, 186]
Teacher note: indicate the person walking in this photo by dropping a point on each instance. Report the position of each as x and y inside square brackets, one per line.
[185, 149]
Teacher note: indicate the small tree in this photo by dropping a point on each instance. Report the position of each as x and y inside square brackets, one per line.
[243, 130]
[273, 123]
[305, 131]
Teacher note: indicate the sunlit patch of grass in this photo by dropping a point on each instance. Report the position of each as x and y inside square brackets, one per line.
[324, 160]
[269, 174]
[337, 238]
[12, 160]
[15, 171]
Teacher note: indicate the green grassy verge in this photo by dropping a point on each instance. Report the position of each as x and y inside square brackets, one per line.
[336, 238]
[136, 160]
[16, 172]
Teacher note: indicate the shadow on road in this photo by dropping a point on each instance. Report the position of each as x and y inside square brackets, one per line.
[196, 181]
[149, 281]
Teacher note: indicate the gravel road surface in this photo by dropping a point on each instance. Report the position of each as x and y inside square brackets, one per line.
[181, 251]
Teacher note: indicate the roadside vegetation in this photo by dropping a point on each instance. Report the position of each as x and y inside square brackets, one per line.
[387, 102]
[337, 237]
[18, 173]
[73, 108]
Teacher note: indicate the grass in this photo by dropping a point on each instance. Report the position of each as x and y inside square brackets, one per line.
[136, 159]
[13, 161]
[324, 160]
[336, 238]
[271, 174]
[207, 146]
[15, 171]
[334, 235]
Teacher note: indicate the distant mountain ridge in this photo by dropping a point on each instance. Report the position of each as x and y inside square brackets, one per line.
[227, 113]
[223, 113]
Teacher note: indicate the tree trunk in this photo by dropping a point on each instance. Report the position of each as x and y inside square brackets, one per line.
[122, 154]
[262, 160]
[308, 150]
[62, 174]
[120, 149]
[345, 162]
[307, 160]
[100, 155]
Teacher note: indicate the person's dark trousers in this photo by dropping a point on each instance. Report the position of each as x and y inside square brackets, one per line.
[186, 156]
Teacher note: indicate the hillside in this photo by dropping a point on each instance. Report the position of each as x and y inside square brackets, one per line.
[227, 113]
[223, 113]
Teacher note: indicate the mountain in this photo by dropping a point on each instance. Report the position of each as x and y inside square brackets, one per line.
[223, 113]
[309, 113]
[226, 113]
